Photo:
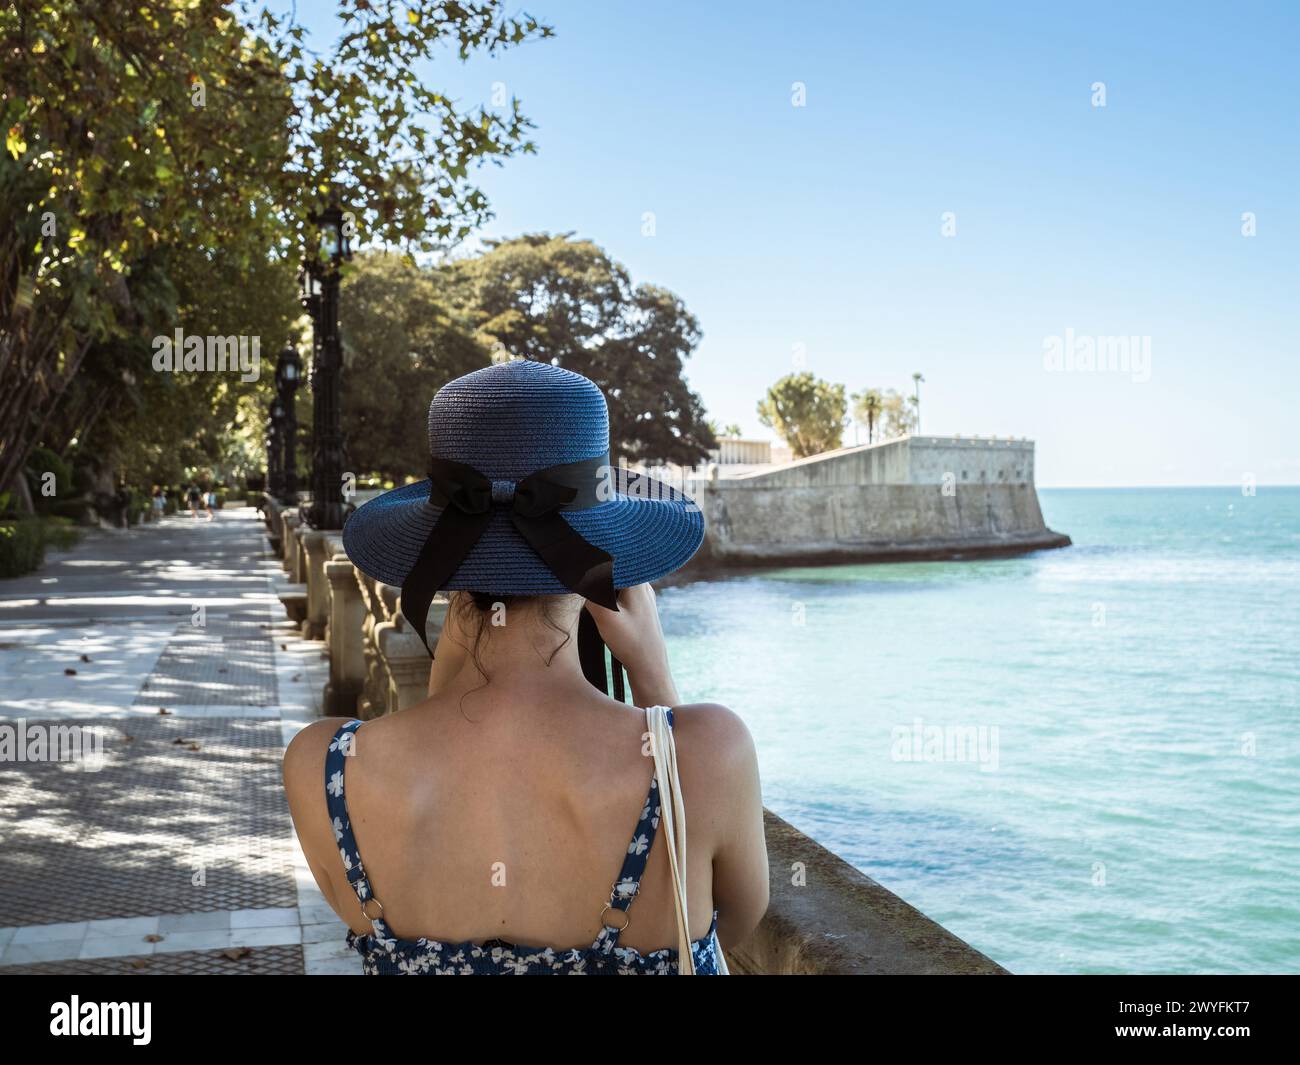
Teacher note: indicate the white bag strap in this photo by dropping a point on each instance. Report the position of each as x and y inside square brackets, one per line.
[672, 823]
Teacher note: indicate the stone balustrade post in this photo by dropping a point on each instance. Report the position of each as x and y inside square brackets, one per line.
[274, 527]
[406, 663]
[312, 558]
[396, 673]
[345, 637]
[299, 573]
[289, 522]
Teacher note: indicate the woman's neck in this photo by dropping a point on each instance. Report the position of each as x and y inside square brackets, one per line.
[526, 652]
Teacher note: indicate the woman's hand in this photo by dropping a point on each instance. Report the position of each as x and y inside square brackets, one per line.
[633, 635]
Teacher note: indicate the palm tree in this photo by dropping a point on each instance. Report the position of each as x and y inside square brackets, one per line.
[917, 381]
[867, 407]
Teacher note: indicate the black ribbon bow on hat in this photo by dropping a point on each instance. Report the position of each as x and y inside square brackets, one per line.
[466, 497]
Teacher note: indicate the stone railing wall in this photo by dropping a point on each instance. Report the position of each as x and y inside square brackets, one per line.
[377, 662]
[824, 917]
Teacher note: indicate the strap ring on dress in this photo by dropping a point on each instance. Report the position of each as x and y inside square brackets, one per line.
[377, 903]
[627, 919]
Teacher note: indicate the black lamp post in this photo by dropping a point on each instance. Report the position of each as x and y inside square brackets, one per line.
[309, 295]
[321, 295]
[274, 456]
[288, 376]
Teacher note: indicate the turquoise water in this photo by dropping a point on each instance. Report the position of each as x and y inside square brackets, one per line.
[1133, 805]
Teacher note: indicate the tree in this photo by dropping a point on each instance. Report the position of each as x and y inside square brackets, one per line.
[134, 128]
[899, 418]
[120, 413]
[808, 414]
[564, 301]
[404, 337]
[867, 407]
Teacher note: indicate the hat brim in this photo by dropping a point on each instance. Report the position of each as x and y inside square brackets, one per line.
[649, 528]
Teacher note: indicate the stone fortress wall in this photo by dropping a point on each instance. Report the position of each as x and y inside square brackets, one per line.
[911, 497]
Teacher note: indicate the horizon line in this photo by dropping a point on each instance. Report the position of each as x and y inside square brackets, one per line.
[1233, 485]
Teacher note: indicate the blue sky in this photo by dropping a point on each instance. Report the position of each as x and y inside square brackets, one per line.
[817, 229]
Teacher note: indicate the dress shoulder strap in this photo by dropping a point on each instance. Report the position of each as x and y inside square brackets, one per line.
[336, 758]
[634, 861]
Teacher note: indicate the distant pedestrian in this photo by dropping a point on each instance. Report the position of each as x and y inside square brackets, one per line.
[193, 496]
[159, 502]
[210, 501]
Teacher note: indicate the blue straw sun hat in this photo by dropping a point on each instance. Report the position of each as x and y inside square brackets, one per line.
[521, 499]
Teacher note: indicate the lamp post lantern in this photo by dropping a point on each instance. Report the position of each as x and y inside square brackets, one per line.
[321, 291]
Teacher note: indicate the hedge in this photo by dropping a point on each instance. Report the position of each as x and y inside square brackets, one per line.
[22, 547]
[43, 461]
[61, 534]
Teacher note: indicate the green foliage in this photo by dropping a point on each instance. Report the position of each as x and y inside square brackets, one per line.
[23, 542]
[137, 505]
[22, 547]
[159, 155]
[404, 337]
[899, 414]
[885, 412]
[61, 534]
[40, 464]
[564, 301]
[156, 425]
[808, 414]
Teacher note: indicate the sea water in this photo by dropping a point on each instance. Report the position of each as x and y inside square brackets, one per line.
[1084, 760]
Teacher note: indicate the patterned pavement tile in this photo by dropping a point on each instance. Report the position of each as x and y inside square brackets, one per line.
[229, 661]
[183, 825]
[185, 815]
[246, 961]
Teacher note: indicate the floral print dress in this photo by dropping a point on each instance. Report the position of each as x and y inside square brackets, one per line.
[383, 953]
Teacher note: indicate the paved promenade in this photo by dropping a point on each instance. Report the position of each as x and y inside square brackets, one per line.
[162, 658]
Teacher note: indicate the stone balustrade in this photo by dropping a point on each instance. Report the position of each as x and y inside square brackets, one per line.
[312, 556]
[824, 917]
[396, 665]
[377, 663]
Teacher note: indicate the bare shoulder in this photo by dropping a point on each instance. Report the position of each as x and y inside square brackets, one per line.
[719, 771]
[304, 758]
[712, 731]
